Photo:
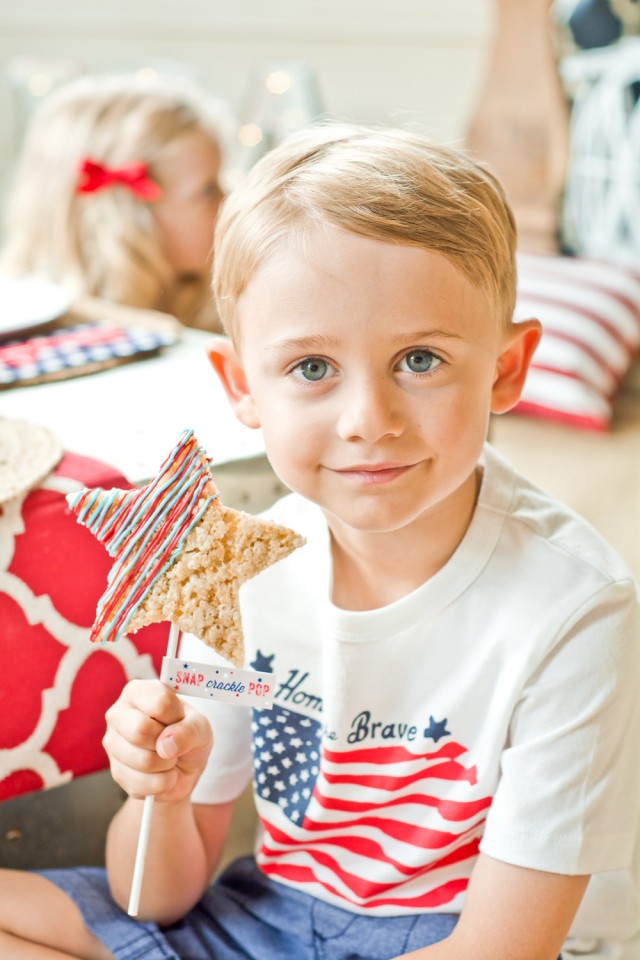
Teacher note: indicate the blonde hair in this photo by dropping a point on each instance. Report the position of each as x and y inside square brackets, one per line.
[390, 185]
[105, 244]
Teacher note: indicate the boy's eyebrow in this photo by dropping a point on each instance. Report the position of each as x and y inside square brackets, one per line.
[316, 342]
[427, 335]
[321, 342]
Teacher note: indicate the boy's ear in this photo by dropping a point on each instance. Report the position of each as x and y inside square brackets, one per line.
[225, 361]
[513, 364]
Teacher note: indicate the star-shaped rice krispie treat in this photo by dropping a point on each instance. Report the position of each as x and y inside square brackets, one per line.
[180, 555]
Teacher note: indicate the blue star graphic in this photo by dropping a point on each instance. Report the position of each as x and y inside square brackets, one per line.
[262, 663]
[437, 729]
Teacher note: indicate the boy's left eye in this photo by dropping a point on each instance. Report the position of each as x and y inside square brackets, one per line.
[419, 361]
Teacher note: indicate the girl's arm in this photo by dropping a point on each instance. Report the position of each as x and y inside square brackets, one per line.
[158, 746]
[510, 912]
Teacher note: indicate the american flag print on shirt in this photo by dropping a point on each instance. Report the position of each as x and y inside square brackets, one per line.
[378, 827]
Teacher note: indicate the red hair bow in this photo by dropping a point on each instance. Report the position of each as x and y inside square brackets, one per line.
[135, 176]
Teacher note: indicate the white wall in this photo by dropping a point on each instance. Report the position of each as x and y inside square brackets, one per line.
[416, 61]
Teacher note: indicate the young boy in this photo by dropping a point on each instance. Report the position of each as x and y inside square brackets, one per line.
[453, 746]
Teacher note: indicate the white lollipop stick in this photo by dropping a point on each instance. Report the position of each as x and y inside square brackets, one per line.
[147, 811]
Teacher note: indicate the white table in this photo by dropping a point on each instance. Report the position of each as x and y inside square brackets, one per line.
[131, 416]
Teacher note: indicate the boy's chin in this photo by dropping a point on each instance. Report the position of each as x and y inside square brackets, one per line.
[372, 521]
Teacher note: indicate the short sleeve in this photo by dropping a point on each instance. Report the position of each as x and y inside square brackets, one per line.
[569, 791]
[230, 764]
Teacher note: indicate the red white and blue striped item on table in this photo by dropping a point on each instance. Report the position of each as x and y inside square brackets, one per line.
[590, 315]
[69, 350]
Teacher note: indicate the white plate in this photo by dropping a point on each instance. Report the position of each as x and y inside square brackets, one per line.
[27, 302]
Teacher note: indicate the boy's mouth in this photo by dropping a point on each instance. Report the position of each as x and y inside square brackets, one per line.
[374, 474]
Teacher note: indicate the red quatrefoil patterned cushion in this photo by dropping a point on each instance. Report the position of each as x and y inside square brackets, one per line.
[55, 685]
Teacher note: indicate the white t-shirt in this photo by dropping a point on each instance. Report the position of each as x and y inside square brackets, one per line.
[495, 708]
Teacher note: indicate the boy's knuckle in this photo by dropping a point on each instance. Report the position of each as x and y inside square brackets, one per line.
[142, 728]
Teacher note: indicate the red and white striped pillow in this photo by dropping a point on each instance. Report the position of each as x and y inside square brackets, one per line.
[590, 314]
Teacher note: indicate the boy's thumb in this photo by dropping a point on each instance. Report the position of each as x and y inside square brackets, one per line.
[166, 747]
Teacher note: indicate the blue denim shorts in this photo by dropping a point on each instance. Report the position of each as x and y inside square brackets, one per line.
[247, 916]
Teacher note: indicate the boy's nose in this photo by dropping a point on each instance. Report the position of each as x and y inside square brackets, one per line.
[369, 411]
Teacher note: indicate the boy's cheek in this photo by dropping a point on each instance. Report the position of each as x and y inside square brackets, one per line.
[284, 444]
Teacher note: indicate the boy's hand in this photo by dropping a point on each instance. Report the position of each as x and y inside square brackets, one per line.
[157, 745]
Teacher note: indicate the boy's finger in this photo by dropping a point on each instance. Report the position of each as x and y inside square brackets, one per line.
[139, 785]
[142, 759]
[155, 699]
[141, 713]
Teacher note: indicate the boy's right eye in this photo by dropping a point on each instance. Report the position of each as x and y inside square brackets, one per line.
[312, 369]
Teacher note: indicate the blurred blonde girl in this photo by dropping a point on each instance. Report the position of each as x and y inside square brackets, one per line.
[116, 194]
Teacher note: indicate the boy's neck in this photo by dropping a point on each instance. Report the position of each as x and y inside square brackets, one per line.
[372, 570]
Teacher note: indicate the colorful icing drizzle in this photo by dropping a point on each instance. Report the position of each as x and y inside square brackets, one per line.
[146, 531]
